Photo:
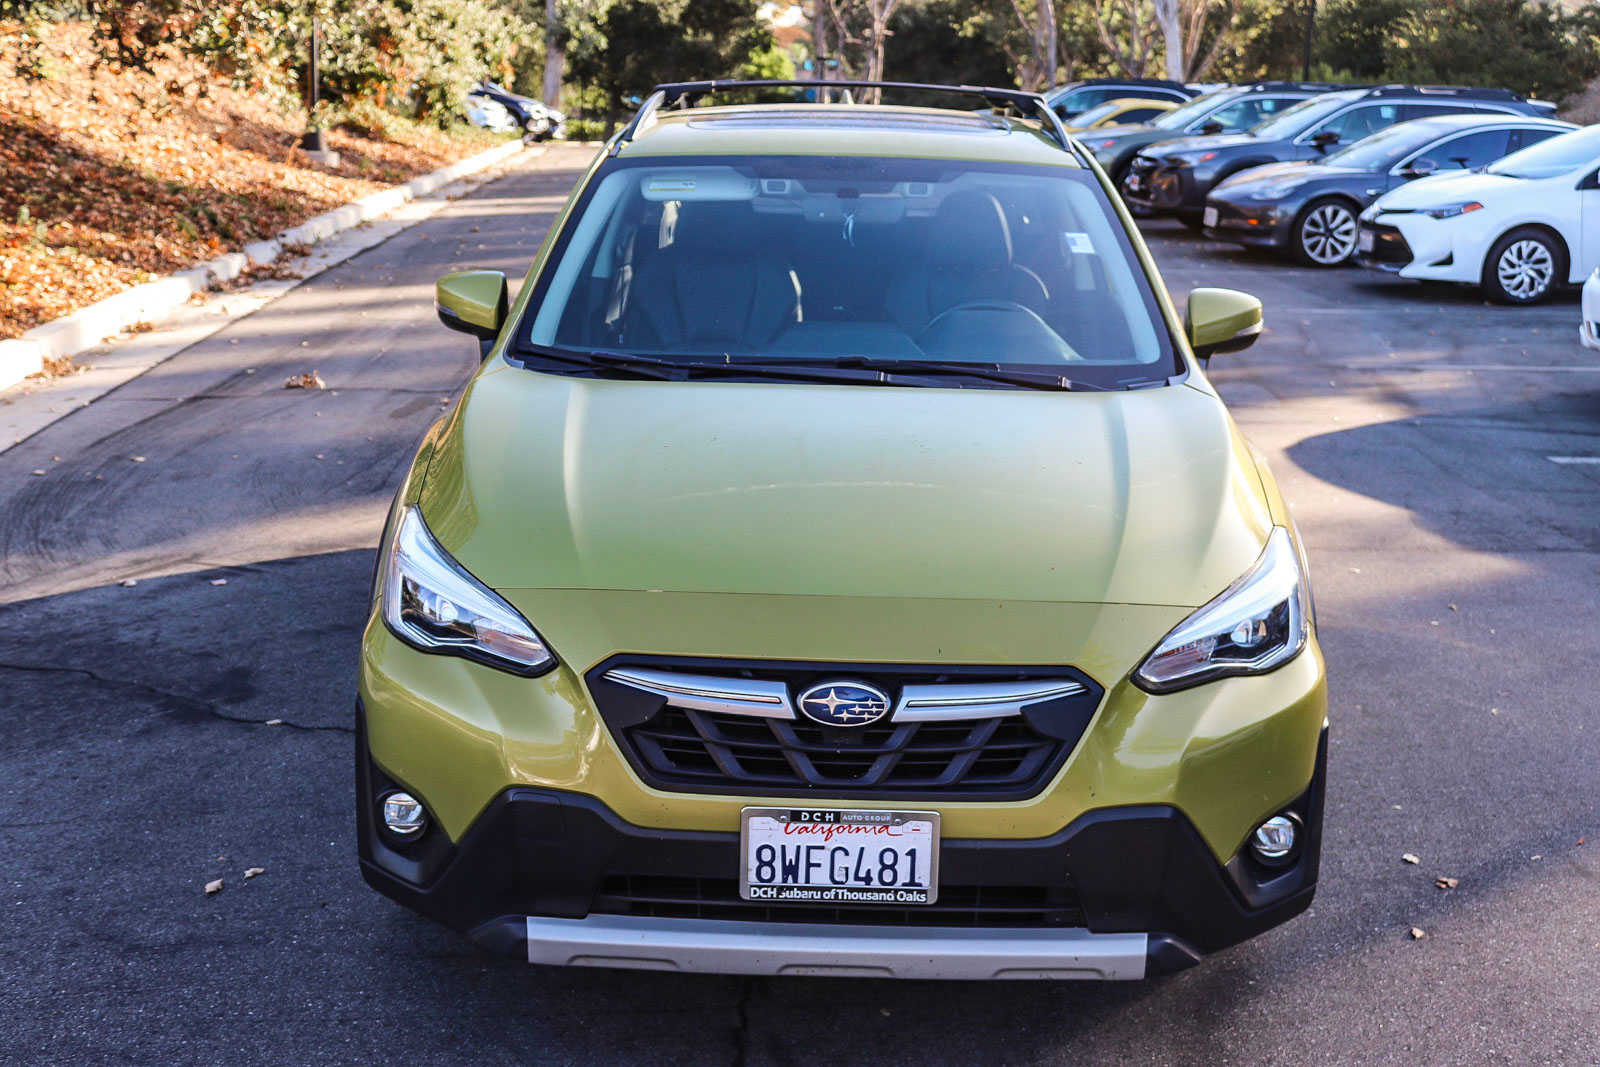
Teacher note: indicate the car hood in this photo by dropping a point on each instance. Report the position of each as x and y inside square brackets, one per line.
[1123, 132]
[1444, 188]
[1272, 172]
[1202, 143]
[1141, 497]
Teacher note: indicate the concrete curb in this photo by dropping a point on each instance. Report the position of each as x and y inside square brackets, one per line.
[88, 326]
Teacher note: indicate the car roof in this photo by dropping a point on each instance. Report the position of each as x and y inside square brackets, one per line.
[1474, 119]
[807, 129]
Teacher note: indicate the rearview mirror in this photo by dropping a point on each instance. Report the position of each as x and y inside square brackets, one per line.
[1211, 127]
[1221, 320]
[473, 301]
[1419, 168]
[1326, 139]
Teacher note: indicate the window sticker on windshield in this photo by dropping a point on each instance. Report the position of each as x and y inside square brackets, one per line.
[662, 186]
[1079, 243]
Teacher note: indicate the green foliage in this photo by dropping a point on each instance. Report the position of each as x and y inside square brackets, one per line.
[1525, 45]
[417, 56]
[631, 45]
[951, 42]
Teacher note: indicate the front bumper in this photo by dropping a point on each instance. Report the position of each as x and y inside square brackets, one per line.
[822, 950]
[1155, 187]
[1253, 223]
[558, 877]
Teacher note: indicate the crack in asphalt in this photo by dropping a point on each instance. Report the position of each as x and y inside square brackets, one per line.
[191, 702]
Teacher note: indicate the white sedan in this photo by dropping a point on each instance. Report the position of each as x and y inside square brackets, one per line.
[1520, 228]
[1589, 332]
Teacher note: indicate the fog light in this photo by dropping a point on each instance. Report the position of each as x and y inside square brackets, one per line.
[1275, 840]
[404, 815]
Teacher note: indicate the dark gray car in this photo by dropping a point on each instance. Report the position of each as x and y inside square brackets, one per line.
[1309, 209]
[1175, 177]
[1227, 110]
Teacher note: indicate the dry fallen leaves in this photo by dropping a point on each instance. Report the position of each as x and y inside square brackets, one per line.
[219, 581]
[130, 582]
[213, 888]
[306, 380]
[273, 722]
[1418, 933]
[1411, 858]
[118, 192]
[251, 872]
[1445, 882]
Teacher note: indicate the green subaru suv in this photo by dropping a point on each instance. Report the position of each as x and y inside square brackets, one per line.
[841, 565]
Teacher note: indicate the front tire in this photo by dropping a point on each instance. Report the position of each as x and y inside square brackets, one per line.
[1524, 267]
[1324, 234]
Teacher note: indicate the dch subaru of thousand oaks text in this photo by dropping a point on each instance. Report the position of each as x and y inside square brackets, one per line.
[841, 564]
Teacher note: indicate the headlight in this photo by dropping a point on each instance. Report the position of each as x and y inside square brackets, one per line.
[432, 603]
[1257, 624]
[1450, 211]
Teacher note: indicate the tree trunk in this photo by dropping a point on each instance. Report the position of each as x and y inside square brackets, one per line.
[1172, 36]
[1047, 29]
[555, 57]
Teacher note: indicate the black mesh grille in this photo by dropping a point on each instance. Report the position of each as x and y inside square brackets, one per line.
[958, 905]
[697, 751]
[1389, 246]
[695, 747]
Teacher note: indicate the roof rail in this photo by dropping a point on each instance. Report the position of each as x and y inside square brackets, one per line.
[1465, 91]
[683, 94]
[1267, 86]
[1164, 82]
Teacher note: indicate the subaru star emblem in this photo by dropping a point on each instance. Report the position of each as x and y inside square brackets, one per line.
[844, 704]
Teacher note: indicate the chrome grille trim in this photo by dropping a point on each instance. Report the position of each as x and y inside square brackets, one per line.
[977, 700]
[952, 702]
[701, 692]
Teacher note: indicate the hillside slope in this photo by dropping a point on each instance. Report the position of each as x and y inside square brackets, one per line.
[108, 179]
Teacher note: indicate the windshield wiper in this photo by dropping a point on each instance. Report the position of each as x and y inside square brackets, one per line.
[846, 370]
[989, 372]
[657, 369]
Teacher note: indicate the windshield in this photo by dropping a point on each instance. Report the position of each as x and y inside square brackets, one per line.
[1289, 123]
[825, 259]
[1552, 158]
[1179, 117]
[1384, 149]
[1097, 113]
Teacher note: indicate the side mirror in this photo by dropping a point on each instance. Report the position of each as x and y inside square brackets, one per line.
[473, 301]
[1326, 139]
[1221, 320]
[1419, 168]
[1211, 127]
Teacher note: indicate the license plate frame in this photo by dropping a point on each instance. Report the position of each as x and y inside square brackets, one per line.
[1209, 220]
[1365, 240]
[905, 832]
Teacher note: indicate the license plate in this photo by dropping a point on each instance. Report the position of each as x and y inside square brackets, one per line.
[1211, 217]
[1135, 182]
[1364, 241]
[839, 857]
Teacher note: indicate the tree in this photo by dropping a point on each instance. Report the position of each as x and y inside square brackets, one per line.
[634, 44]
[950, 41]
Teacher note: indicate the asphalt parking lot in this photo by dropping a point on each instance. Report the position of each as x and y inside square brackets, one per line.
[163, 734]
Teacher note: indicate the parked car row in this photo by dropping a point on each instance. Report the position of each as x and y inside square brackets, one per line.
[1381, 176]
[497, 108]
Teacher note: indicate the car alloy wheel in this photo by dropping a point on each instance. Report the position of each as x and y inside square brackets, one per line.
[1526, 269]
[1327, 235]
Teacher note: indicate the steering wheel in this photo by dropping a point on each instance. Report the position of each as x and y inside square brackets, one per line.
[979, 305]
